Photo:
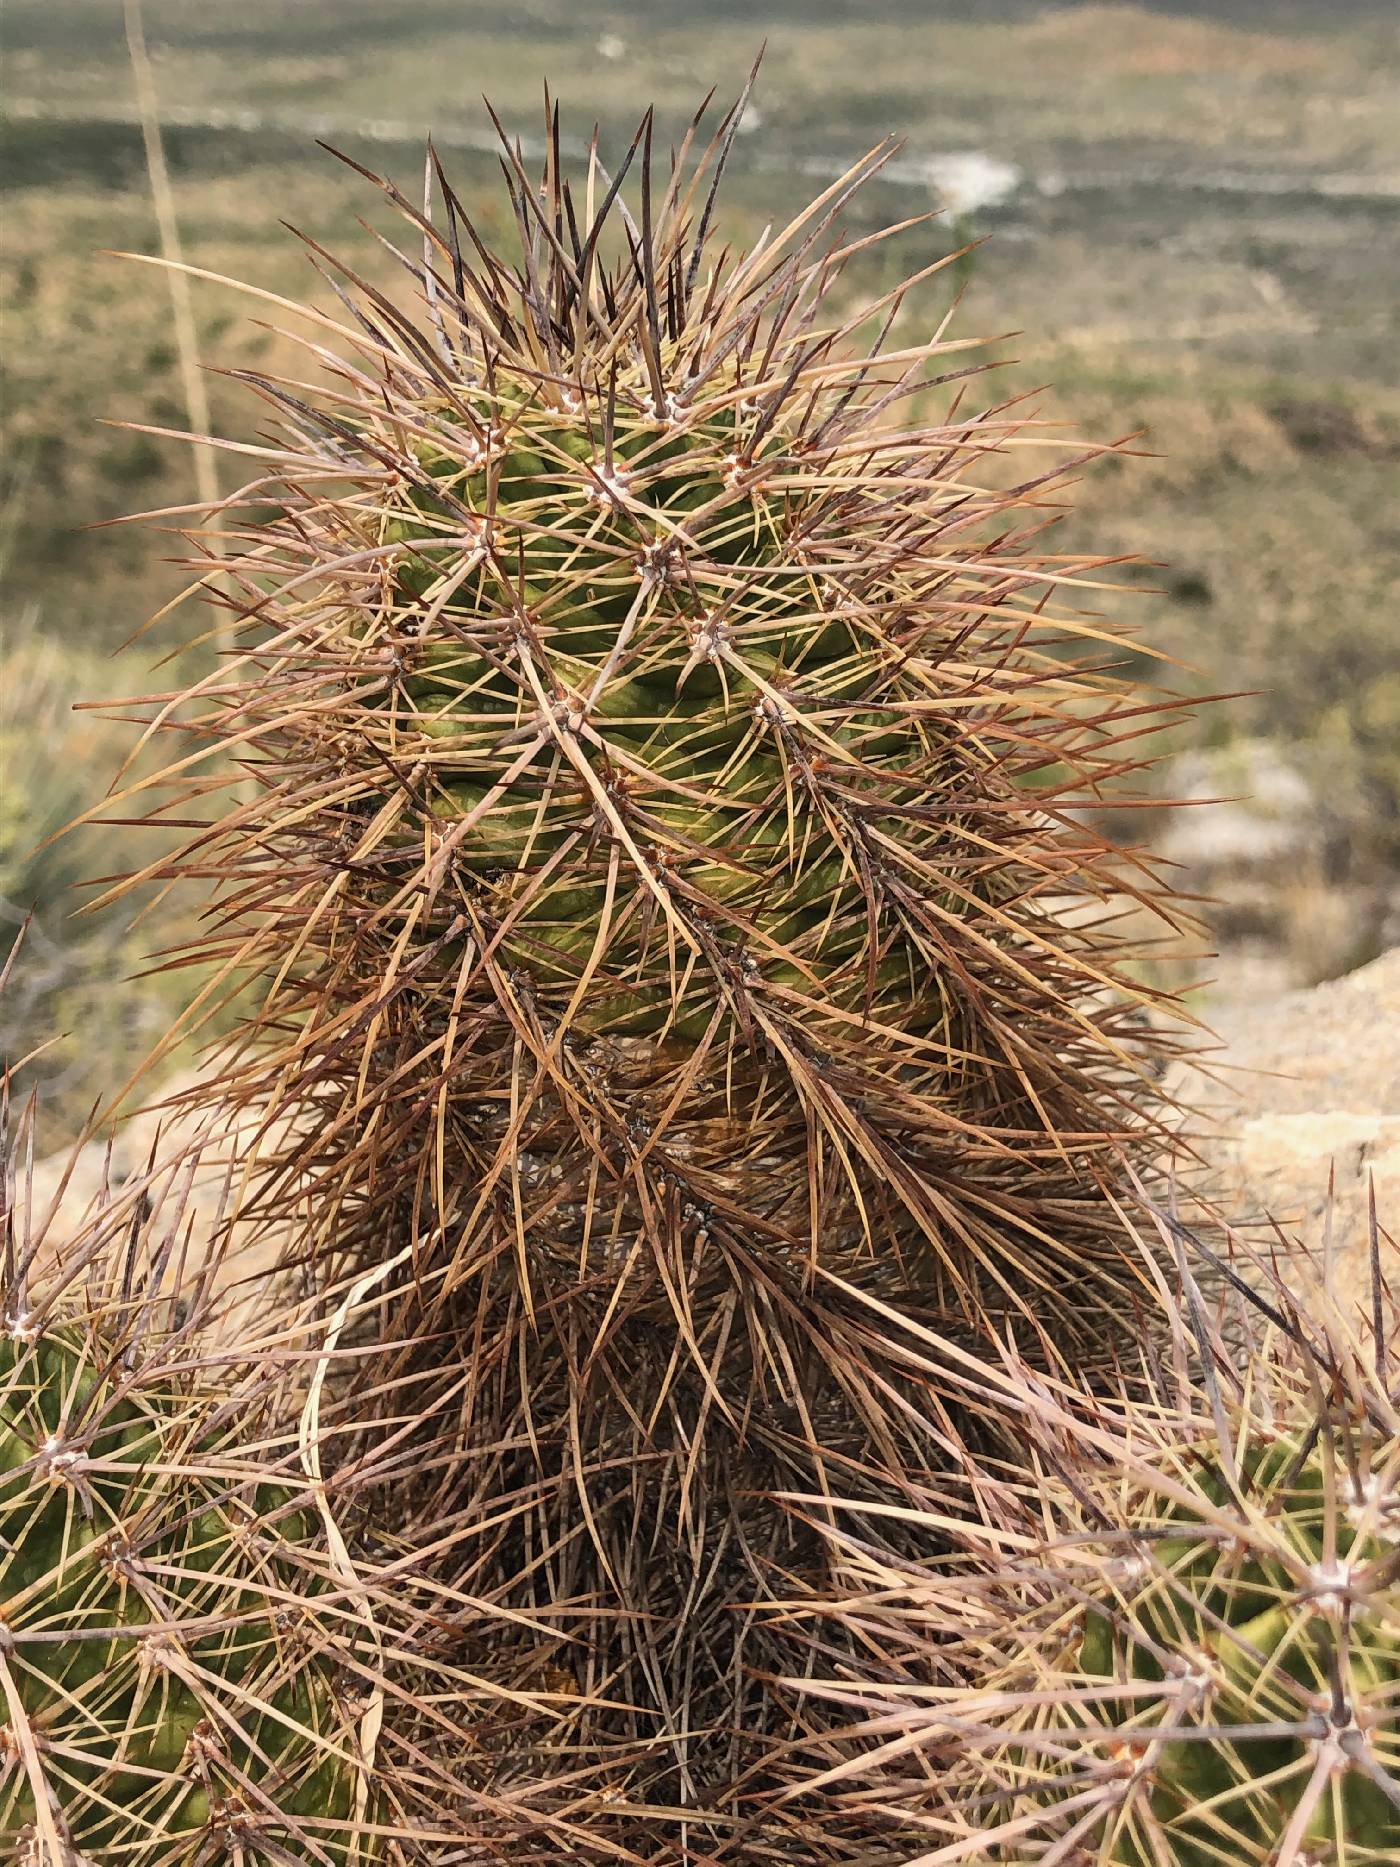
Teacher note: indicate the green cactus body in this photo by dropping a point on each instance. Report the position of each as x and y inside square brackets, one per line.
[679, 785]
[615, 591]
[150, 1605]
[1180, 1645]
[668, 904]
[1280, 1638]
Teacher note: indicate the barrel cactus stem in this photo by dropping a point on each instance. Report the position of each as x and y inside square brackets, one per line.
[1184, 1645]
[173, 1662]
[670, 743]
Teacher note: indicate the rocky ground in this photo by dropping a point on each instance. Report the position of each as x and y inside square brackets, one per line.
[1305, 1089]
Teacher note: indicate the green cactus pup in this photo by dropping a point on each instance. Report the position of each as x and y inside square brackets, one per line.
[1176, 1642]
[171, 1659]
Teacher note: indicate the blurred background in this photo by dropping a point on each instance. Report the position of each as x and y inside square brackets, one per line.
[1190, 226]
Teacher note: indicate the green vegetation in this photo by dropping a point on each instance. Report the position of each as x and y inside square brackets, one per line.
[170, 1647]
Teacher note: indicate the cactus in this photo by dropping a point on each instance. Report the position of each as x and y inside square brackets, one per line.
[663, 922]
[172, 1675]
[619, 1520]
[661, 768]
[1181, 1642]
